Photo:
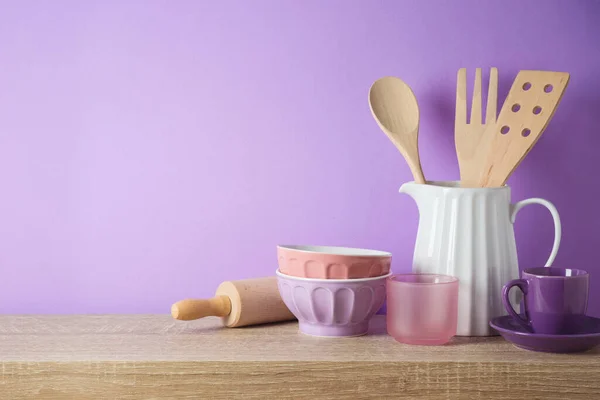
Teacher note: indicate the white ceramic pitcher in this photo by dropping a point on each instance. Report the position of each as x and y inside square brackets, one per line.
[468, 233]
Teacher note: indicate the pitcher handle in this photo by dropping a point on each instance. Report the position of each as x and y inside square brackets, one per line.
[555, 217]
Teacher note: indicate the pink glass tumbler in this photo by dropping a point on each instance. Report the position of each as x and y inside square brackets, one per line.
[422, 309]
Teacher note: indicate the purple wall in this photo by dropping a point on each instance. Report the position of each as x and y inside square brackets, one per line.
[151, 149]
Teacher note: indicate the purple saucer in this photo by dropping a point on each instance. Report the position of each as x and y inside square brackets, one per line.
[587, 336]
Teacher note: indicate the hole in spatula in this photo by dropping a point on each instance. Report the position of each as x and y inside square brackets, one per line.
[537, 110]
[525, 132]
[526, 86]
[515, 107]
[548, 88]
[504, 130]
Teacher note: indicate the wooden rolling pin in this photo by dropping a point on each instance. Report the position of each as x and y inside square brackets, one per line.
[238, 303]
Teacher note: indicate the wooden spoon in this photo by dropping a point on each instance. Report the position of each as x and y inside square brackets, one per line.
[395, 109]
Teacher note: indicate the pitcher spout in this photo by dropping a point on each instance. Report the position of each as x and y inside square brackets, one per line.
[417, 192]
[409, 188]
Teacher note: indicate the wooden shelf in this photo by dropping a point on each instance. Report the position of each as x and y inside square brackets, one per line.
[154, 356]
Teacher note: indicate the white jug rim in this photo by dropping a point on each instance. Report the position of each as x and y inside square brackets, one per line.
[455, 185]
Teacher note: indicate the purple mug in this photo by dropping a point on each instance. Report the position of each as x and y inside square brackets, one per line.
[555, 299]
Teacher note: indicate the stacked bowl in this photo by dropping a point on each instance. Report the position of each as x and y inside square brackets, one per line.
[333, 291]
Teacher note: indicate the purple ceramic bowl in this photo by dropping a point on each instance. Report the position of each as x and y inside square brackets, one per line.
[332, 307]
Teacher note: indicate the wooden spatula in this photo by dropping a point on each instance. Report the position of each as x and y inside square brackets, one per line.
[529, 106]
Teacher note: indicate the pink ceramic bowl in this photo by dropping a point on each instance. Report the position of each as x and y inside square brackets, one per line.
[327, 262]
[332, 307]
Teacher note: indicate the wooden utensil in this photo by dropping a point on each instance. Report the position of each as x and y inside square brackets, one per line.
[395, 109]
[238, 303]
[529, 106]
[468, 136]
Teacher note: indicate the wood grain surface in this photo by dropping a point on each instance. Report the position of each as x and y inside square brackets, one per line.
[156, 357]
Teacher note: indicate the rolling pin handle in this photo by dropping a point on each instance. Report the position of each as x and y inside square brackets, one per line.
[190, 309]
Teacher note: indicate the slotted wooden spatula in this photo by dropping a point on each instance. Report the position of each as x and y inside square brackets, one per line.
[529, 106]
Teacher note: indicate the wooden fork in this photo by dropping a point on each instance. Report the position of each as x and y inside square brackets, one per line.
[467, 136]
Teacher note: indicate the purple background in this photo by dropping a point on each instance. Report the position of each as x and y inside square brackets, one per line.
[151, 149]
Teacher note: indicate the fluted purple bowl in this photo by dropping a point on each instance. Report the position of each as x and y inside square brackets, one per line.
[332, 307]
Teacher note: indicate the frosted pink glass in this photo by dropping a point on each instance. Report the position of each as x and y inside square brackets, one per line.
[422, 308]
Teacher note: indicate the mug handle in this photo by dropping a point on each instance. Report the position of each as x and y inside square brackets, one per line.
[521, 284]
[514, 209]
